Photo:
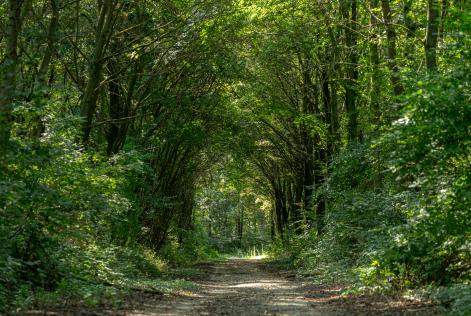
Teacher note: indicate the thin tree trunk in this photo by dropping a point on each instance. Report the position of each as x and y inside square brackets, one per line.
[278, 209]
[329, 89]
[8, 74]
[352, 72]
[431, 39]
[391, 45]
[320, 175]
[329, 98]
[240, 225]
[51, 41]
[374, 58]
[441, 31]
[408, 21]
[90, 95]
[115, 111]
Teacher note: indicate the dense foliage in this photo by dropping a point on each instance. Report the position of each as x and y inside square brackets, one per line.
[134, 133]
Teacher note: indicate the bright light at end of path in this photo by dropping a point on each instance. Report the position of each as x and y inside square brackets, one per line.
[258, 257]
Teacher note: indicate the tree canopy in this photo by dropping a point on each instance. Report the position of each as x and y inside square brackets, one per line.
[335, 133]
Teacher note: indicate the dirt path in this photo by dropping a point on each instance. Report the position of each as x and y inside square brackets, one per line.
[243, 287]
[249, 287]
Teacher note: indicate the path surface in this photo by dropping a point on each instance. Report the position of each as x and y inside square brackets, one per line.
[249, 287]
[242, 287]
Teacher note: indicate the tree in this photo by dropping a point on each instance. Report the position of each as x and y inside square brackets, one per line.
[8, 79]
[431, 38]
[103, 32]
[391, 48]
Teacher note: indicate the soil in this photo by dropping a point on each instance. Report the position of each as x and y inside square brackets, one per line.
[249, 287]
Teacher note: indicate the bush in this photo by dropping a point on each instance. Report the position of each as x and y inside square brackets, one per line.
[55, 201]
[399, 205]
[430, 154]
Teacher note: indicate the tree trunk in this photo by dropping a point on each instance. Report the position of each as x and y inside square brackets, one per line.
[329, 100]
[352, 71]
[391, 44]
[431, 39]
[408, 21]
[240, 225]
[278, 209]
[374, 58]
[8, 74]
[319, 179]
[51, 41]
[90, 95]
[441, 31]
[40, 91]
[411, 28]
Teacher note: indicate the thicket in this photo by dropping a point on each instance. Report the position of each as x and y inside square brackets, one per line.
[399, 204]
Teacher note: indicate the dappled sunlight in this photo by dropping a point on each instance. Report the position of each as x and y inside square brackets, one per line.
[324, 299]
[261, 285]
[239, 286]
[289, 302]
[242, 287]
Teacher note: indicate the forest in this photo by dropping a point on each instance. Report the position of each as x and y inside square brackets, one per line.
[140, 137]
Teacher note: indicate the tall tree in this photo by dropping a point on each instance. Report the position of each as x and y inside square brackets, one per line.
[8, 73]
[103, 33]
[431, 38]
[51, 39]
[351, 87]
[375, 63]
[391, 48]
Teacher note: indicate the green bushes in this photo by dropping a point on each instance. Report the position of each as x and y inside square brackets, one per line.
[70, 229]
[429, 153]
[455, 297]
[399, 207]
[62, 211]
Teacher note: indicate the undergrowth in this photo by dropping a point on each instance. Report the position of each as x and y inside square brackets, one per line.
[104, 276]
[68, 232]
